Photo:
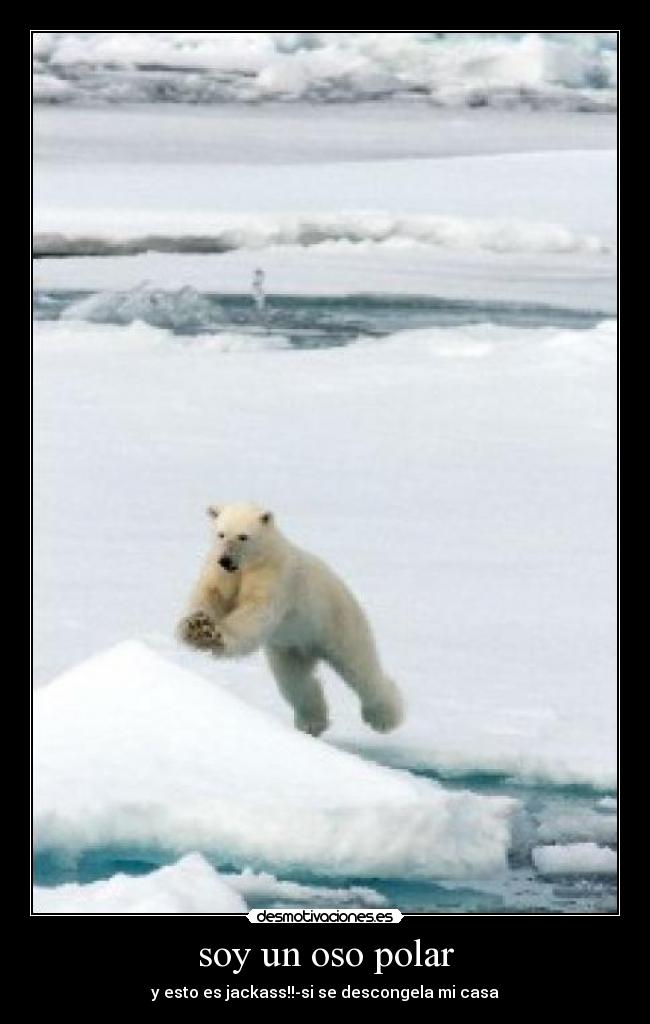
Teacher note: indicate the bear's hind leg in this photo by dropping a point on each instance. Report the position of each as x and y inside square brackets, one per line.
[293, 673]
[386, 711]
[382, 707]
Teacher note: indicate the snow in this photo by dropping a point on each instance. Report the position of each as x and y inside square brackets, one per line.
[261, 886]
[477, 464]
[575, 859]
[190, 886]
[542, 227]
[160, 134]
[574, 826]
[608, 803]
[49, 89]
[73, 338]
[133, 751]
[574, 70]
[574, 188]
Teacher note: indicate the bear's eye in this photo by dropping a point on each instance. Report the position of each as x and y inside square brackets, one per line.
[221, 535]
[243, 536]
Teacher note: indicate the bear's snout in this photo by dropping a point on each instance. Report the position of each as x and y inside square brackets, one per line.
[227, 563]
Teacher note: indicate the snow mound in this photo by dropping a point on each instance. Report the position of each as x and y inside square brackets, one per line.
[575, 859]
[181, 309]
[101, 233]
[187, 887]
[133, 750]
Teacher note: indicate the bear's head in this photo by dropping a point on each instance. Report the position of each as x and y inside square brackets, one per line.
[242, 534]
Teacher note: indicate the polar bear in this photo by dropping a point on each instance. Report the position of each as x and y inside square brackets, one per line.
[259, 590]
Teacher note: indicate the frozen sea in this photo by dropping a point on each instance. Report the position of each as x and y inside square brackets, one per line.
[427, 400]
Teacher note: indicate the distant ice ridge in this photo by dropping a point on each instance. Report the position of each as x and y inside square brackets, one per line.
[134, 750]
[100, 233]
[575, 859]
[572, 70]
[191, 885]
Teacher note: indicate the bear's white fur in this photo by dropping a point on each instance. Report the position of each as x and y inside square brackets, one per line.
[259, 590]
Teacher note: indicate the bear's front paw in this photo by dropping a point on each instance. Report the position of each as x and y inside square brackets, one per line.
[198, 629]
[382, 716]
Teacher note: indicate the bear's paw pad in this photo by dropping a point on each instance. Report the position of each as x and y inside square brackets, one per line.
[198, 629]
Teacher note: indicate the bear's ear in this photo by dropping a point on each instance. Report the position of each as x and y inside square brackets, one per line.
[213, 511]
[266, 517]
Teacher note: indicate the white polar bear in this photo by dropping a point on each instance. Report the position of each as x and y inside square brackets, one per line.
[259, 590]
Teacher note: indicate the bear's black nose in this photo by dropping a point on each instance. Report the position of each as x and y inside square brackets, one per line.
[227, 563]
